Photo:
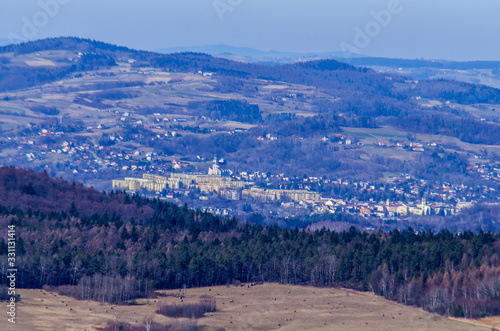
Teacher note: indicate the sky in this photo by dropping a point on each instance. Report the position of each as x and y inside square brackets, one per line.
[432, 29]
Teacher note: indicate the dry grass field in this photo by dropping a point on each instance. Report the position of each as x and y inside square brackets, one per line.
[43, 310]
[260, 307]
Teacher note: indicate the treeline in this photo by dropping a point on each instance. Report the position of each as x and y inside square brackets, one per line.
[115, 258]
[61, 43]
[466, 129]
[110, 94]
[111, 289]
[456, 92]
[15, 78]
[231, 110]
[45, 110]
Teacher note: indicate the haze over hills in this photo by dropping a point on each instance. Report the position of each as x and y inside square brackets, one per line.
[223, 50]
[477, 72]
[254, 55]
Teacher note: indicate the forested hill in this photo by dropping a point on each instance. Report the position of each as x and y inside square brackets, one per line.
[23, 191]
[324, 73]
[368, 98]
[331, 74]
[166, 246]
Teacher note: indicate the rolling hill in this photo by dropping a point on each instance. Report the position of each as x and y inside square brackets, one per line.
[90, 111]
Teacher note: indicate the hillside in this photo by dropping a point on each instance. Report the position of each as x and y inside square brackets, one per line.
[116, 257]
[93, 112]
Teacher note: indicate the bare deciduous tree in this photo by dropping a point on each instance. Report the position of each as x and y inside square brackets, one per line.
[148, 321]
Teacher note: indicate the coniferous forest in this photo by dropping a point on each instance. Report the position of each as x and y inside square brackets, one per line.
[115, 247]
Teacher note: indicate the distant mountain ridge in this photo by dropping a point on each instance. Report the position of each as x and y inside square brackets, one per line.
[422, 63]
[248, 54]
[222, 49]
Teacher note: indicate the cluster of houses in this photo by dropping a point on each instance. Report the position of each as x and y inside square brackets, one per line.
[225, 184]
[388, 209]
[488, 171]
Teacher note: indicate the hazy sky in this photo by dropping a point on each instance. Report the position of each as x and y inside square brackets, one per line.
[439, 29]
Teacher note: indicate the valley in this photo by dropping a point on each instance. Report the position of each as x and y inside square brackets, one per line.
[260, 307]
[111, 113]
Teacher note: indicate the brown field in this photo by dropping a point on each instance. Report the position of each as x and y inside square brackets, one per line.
[260, 307]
